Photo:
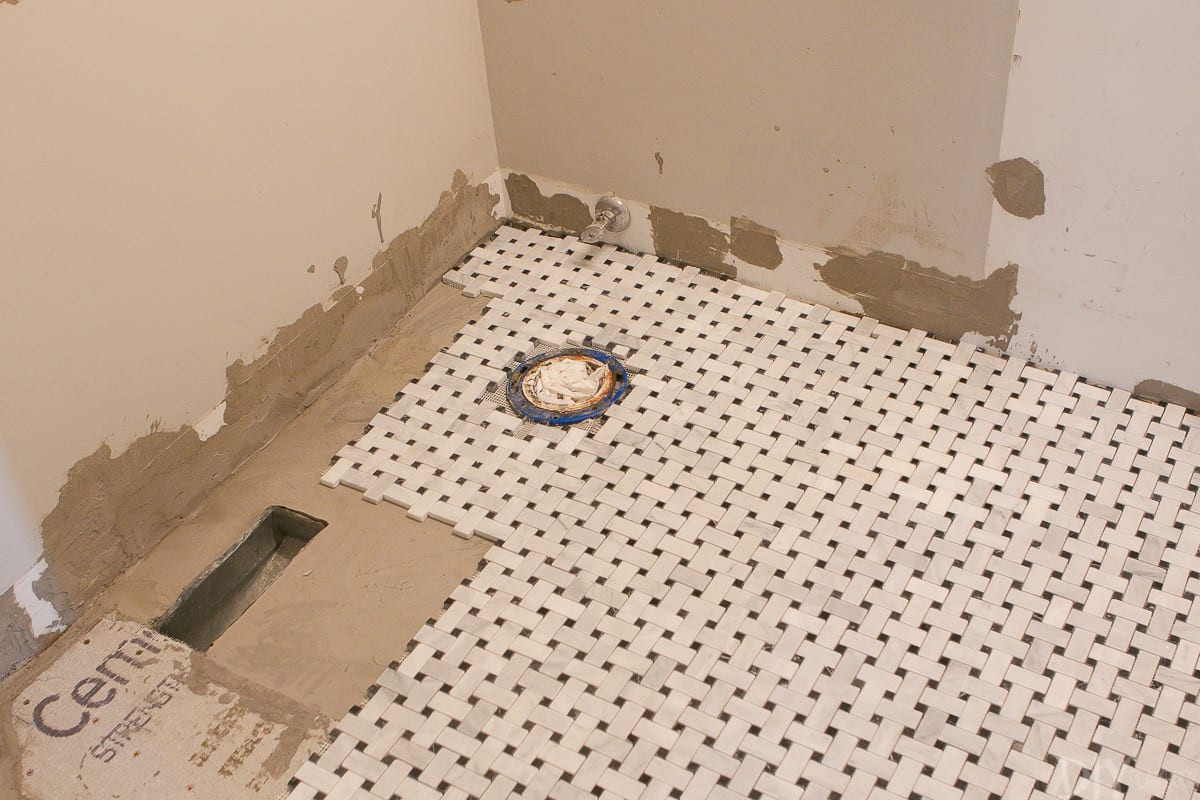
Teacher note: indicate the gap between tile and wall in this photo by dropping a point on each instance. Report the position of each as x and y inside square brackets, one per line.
[882, 285]
[985, 312]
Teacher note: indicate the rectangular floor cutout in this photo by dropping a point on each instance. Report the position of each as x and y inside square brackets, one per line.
[217, 598]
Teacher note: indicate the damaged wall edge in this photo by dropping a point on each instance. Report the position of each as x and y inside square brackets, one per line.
[560, 211]
[900, 292]
[887, 286]
[690, 239]
[890, 287]
[114, 508]
[669, 234]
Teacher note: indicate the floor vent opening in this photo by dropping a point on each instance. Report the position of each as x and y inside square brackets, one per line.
[215, 600]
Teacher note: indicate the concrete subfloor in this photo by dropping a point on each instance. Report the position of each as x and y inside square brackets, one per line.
[352, 599]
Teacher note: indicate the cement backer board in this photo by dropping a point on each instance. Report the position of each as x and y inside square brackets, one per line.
[127, 713]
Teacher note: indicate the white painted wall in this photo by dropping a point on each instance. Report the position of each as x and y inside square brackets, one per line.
[854, 123]
[169, 171]
[1102, 97]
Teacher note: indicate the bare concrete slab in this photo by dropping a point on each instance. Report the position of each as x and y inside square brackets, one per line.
[349, 602]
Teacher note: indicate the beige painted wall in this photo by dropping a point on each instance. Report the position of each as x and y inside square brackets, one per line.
[169, 172]
[853, 123]
[1102, 98]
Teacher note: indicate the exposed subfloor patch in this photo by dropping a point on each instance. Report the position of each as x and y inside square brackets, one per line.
[808, 554]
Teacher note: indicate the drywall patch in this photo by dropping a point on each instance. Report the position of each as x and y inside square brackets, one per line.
[753, 243]
[900, 292]
[1168, 393]
[561, 211]
[692, 240]
[114, 507]
[1019, 187]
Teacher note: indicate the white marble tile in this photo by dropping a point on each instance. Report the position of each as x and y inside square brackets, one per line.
[807, 555]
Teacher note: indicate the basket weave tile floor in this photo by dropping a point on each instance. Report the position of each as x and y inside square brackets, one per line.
[807, 555]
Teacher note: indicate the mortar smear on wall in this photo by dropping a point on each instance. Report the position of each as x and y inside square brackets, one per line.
[115, 506]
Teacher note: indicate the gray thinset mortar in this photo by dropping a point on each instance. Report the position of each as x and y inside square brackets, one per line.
[900, 292]
[115, 507]
[560, 211]
[1019, 187]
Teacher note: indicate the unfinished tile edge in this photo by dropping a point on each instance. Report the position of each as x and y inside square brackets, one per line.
[114, 508]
